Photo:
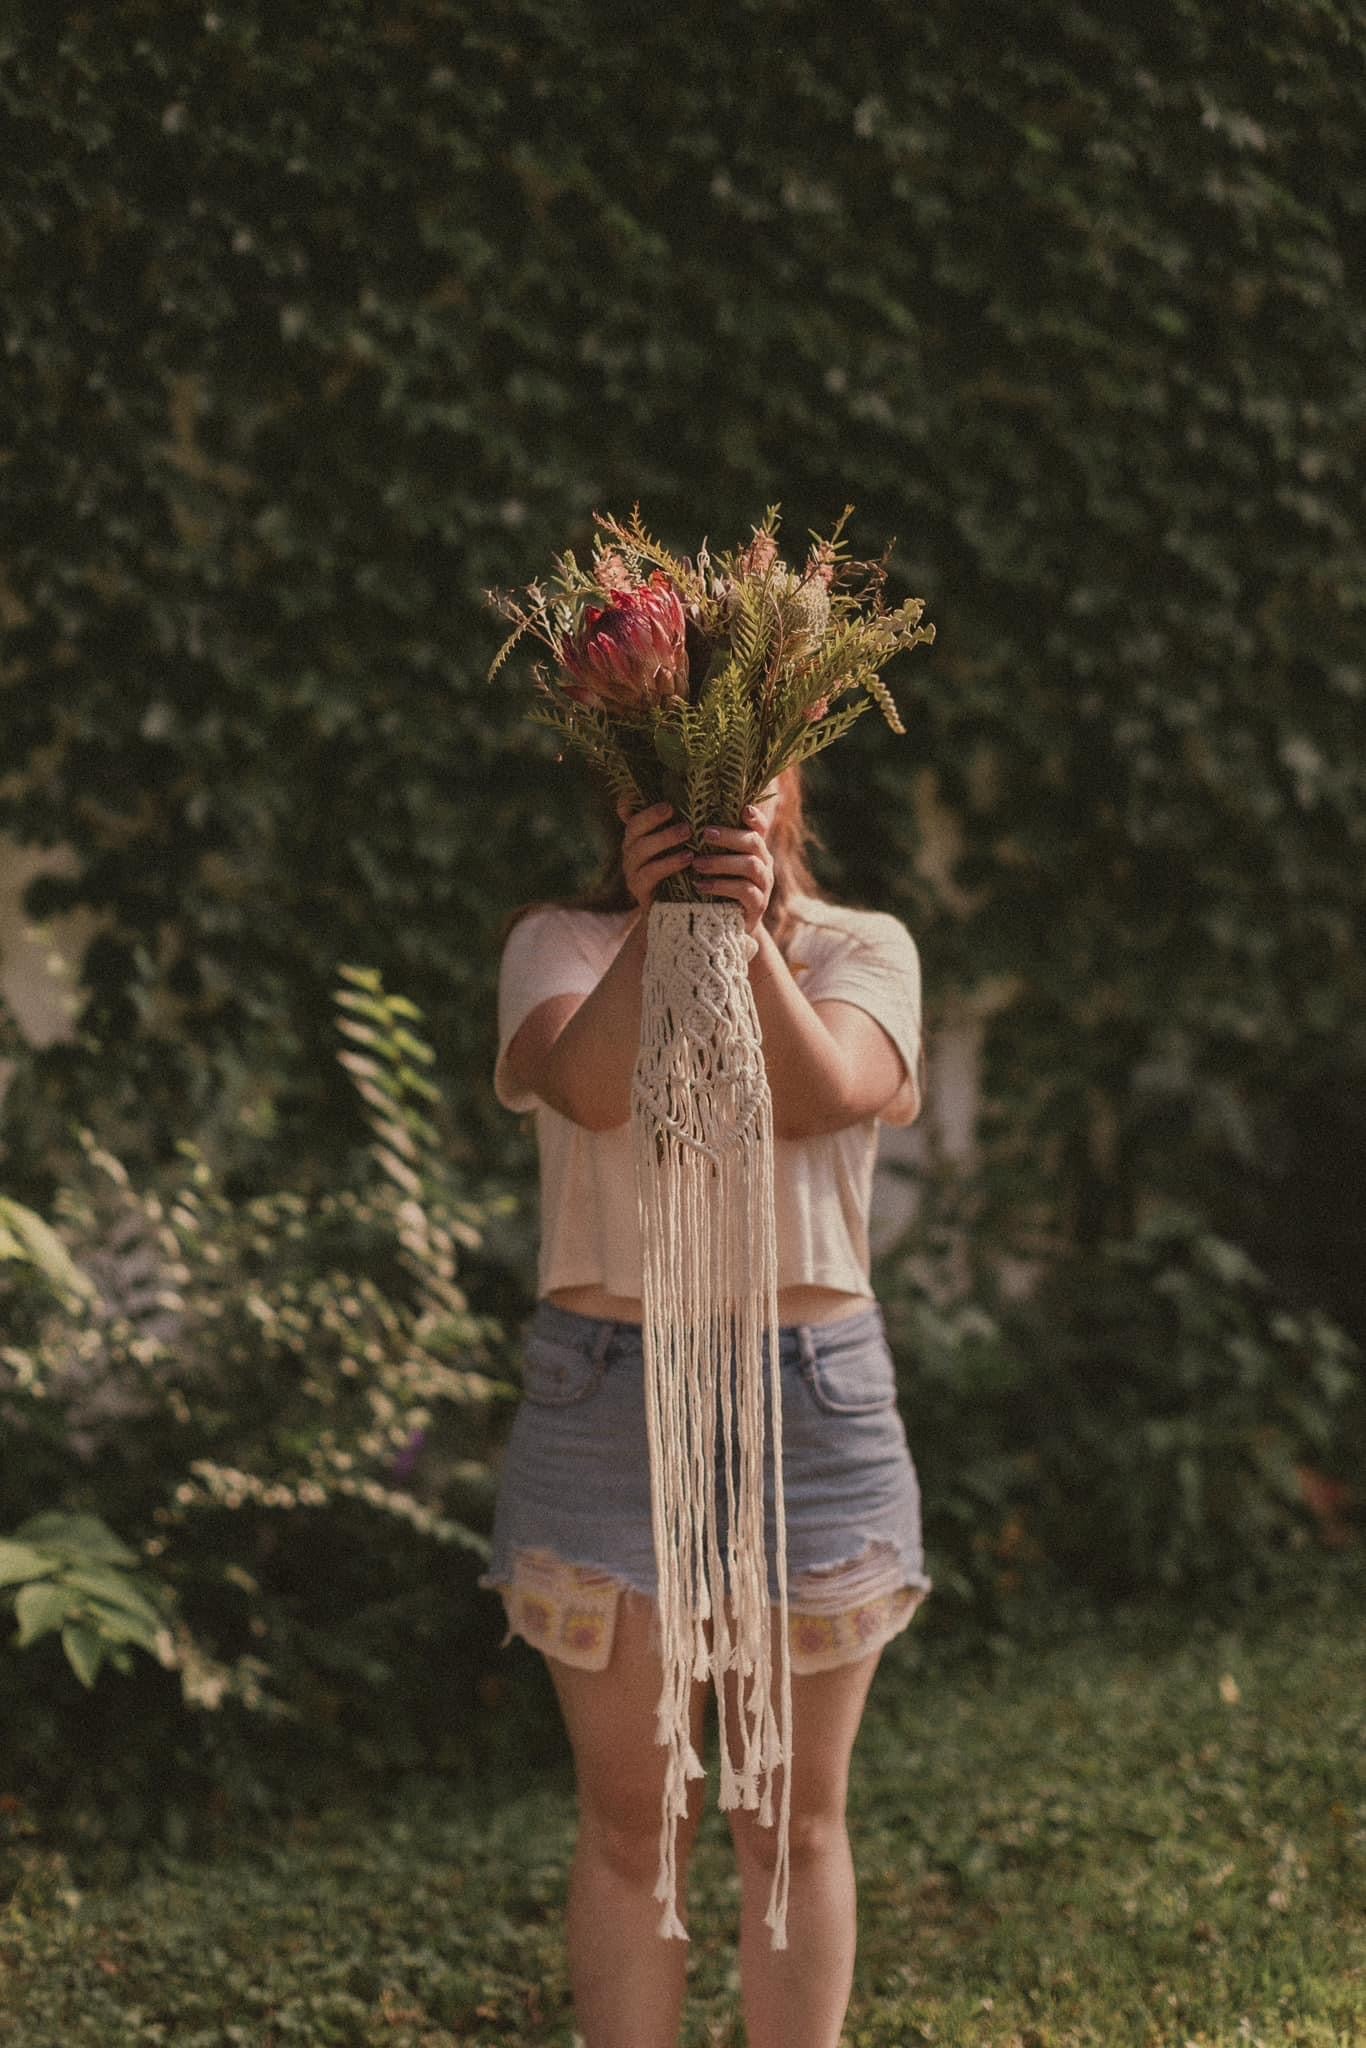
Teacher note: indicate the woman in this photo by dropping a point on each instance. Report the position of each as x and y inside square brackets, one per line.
[837, 992]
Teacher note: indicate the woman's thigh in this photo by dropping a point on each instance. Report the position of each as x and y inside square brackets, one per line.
[827, 1712]
[610, 1719]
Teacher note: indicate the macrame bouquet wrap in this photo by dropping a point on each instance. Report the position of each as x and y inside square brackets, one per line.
[702, 1136]
[699, 681]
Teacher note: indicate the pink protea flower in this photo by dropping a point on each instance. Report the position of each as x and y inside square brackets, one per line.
[628, 652]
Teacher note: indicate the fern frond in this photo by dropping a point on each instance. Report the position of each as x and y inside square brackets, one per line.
[750, 636]
[814, 738]
[739, 775]
[600, 753]
[524, 623]
[844, 652]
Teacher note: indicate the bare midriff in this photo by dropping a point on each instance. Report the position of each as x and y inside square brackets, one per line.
[795, 1304]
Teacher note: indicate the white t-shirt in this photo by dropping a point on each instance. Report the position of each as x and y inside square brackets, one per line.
[590, 1228]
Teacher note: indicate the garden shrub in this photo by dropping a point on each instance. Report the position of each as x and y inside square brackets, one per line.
[1150, 1416]
[279, 1407]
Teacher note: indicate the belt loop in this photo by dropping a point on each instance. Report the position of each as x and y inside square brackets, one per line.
[806, 1343]
[606, 1331]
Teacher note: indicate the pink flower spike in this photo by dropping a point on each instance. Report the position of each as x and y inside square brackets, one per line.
[612, 571]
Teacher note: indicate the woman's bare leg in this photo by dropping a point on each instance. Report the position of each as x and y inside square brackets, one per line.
[797, 1997]
[627, 1980]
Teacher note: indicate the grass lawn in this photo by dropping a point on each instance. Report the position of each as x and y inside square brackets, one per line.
[1149, 1831]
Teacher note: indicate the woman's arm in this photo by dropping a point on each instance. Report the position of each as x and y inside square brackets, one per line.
[578, 1052]
[829, 1064]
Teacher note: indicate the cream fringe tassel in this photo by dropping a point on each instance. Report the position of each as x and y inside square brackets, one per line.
[702, 1137]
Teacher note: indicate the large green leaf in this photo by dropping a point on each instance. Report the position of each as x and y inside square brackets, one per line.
[24, 1234]
[84, 1649]
[20, 1561]
[41, 1607]
[77, 1537]
[112, 1587]
[115, 1625]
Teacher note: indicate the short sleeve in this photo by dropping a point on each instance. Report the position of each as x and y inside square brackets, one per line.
[543, 956]
[879, 971]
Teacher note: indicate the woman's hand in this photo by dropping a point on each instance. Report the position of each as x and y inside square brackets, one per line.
[651, 848]
[741, 864]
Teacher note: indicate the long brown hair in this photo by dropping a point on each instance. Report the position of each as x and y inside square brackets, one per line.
[789, 836]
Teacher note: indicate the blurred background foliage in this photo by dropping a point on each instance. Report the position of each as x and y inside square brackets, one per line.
[319, 323]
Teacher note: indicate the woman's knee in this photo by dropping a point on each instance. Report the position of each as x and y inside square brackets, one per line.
[813, 1835]
[624, 1832]
[619, 1766]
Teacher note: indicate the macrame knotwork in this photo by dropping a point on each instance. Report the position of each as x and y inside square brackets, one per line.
[702, 1136]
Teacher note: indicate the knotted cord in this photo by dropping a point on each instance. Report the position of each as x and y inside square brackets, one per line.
[702, 1139]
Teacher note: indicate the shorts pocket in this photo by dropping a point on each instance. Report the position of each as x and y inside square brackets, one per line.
[555, 1373]
[853, 1379]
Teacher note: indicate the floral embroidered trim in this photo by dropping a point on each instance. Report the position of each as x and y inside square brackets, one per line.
[821, 1641]
[567, 1610]
[570, 1610]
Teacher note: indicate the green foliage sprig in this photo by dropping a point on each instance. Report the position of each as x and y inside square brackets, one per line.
[71, 1574]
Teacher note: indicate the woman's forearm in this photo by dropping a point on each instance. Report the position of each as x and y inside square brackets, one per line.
[592, 1060]
[806, 1068]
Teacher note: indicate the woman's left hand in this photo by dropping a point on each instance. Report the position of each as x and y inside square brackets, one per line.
[740, 864]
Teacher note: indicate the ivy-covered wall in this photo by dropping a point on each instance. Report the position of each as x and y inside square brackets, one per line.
[319, 321]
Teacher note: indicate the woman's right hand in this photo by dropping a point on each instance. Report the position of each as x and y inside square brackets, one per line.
[655, 845]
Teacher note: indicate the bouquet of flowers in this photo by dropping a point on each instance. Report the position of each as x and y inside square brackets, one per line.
[696, 682]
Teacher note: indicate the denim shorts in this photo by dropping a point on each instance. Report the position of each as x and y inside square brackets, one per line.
[572, 1525]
